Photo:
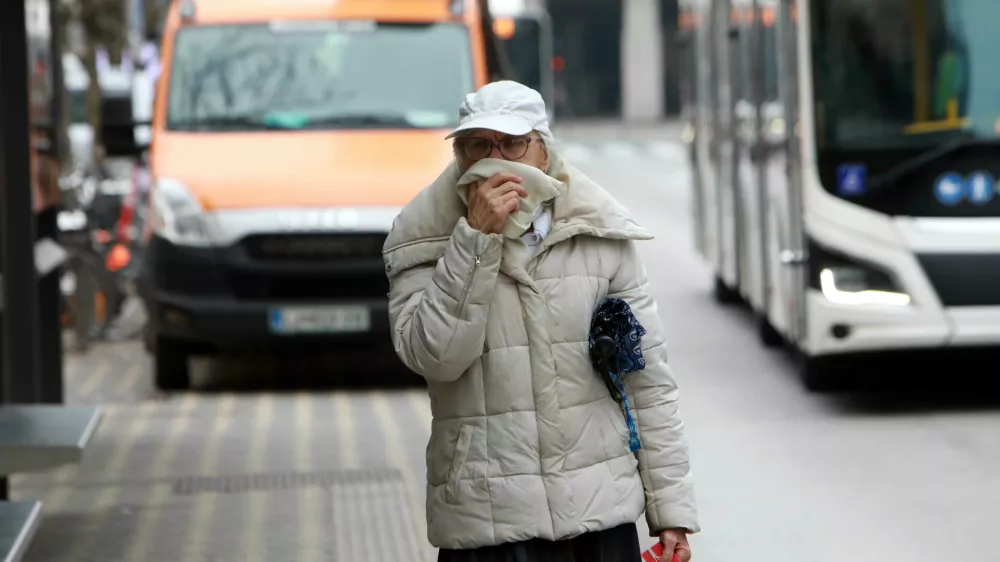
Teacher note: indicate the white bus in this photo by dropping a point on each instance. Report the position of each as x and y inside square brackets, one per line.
[845, 171]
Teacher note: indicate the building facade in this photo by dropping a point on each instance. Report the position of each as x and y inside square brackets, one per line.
[615, 58]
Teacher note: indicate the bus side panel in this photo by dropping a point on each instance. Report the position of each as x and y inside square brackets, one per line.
[768, 134]
[788, 307]
[690, 89]
[745, 137]
[724, 153]
[734, 215]
[708, 91]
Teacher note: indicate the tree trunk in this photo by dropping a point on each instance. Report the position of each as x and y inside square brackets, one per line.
[60, 96]
[94, 103]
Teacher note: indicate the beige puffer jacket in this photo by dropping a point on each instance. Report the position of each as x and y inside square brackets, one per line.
[526, 441]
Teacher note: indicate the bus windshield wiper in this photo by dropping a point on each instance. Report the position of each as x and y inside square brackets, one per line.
[908, 166]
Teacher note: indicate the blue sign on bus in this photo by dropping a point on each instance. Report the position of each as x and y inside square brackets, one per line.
[852, 179]
[949, 189]
[980, 188]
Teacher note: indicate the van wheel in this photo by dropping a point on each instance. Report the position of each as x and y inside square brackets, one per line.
[723, 294]
[171, 370]
[766, 332]
[824, 374]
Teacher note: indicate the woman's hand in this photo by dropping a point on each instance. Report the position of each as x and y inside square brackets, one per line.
[493, 200]
[675, 541]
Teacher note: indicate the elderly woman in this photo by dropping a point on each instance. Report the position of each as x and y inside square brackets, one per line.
[496, 270]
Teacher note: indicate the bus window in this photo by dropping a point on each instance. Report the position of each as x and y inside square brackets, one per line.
[905, 72]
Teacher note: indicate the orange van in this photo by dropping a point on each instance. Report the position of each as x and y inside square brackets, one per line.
[286, 137]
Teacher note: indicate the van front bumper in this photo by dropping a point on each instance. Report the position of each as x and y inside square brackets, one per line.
[225, 297]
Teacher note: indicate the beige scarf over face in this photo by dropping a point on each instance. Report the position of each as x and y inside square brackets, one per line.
[540, 186]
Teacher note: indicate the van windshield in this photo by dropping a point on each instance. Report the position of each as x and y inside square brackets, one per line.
[319, 75]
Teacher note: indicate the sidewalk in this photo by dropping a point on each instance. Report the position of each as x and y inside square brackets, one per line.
[248, 474]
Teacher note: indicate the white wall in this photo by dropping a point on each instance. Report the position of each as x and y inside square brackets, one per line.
[642, 61]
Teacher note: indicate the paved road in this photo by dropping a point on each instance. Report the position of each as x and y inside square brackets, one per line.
[270, 473]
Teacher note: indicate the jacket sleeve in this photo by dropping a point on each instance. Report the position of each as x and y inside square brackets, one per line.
[438, 312]
[663, 459]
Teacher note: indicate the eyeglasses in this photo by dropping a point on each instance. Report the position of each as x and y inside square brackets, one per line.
[511, 148]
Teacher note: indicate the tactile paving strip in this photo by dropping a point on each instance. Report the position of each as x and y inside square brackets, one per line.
[355, 516]
[241, 483]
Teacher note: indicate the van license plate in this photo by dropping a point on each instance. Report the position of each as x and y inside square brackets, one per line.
[320, 320]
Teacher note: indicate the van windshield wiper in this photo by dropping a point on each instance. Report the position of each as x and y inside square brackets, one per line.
[908, 166]
[350, 119]
[223, 122]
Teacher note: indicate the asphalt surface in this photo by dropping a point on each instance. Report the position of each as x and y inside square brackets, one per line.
[320, 459]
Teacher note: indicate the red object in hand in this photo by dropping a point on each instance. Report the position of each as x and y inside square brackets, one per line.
[655, 552]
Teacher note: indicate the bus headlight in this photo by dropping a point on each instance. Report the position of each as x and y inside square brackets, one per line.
[176, 214]
[689, 133]
[776, 126]
[856, 285]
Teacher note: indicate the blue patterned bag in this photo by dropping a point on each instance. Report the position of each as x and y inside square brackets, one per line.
[616, 351]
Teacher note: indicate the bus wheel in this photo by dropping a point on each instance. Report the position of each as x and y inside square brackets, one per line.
[766, 332]
[723, 294]
[823, 374]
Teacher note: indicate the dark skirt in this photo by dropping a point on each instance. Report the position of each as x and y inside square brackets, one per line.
[620, 544]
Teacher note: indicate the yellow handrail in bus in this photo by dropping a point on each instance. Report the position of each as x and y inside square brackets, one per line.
[923, 122]
[951, 121]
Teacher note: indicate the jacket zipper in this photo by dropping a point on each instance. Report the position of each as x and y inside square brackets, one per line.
[468, 284]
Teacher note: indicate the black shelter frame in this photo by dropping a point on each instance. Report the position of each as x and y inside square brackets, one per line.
[30, 332]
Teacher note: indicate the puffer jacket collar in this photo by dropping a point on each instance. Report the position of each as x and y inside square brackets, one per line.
[582, 208]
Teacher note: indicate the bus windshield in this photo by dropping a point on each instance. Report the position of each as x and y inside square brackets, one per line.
[319, 75]
[905, 73]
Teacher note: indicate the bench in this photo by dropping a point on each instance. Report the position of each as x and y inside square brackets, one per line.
[34, 438]
[41, 437]
[18, 523]
[38, 437]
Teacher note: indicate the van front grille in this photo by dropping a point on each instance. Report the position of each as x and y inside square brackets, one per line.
[286, 287]
[309, 247]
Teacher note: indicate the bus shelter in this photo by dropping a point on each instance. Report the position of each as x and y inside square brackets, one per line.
[37, 431]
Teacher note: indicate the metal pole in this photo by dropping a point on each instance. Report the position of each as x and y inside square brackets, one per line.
[50, 329]
[50, 325]
[17, 220]
[58, 87]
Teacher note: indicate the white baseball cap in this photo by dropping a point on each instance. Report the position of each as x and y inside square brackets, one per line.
[506, 107]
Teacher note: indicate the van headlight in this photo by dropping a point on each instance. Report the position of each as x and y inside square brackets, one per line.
[176, 215]
[844, 280]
